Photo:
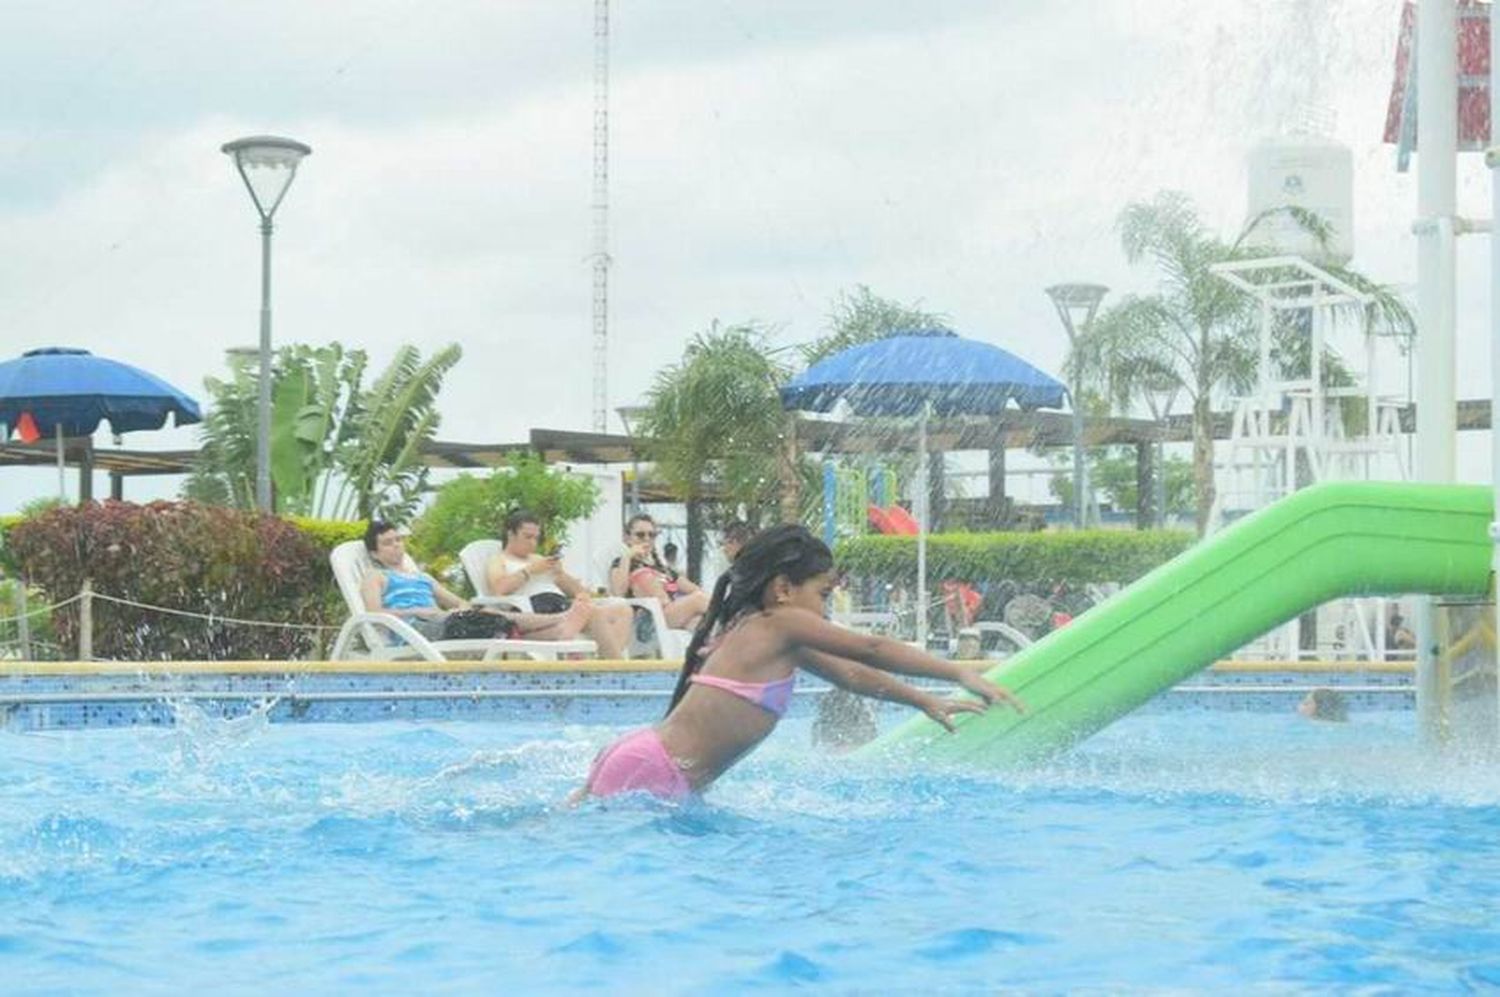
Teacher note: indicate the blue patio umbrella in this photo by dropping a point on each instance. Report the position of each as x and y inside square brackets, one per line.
[922, 373]
[68, 392]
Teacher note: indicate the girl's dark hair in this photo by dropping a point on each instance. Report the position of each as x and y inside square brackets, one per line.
[789, 551]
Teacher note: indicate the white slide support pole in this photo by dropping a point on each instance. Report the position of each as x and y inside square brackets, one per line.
[1437, 161]
[1492, 160]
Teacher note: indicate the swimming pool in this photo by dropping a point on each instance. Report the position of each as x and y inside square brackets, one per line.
[1175, 850]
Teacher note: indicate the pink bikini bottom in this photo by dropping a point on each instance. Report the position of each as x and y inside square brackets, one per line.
[638, 762]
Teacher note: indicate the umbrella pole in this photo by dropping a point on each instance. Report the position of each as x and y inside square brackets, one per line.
[922, 512]
[62, 483]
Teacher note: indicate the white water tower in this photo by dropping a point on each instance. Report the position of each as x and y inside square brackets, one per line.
[1305, 171]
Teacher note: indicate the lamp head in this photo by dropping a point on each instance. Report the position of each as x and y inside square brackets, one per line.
[267, 164]
[1076, 300]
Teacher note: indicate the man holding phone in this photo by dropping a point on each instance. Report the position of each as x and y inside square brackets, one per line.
[519, 570]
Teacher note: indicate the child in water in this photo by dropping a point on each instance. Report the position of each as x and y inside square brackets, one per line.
[1325, 704]
[764, 622]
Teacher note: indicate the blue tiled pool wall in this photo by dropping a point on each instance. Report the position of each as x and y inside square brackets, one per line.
[54, 702]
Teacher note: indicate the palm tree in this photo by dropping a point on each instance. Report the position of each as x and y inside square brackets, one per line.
[862, 316]
[223, 473]
[1197, 333]
[380, 461]
[714, 424]
[310, 405]
[338, 449]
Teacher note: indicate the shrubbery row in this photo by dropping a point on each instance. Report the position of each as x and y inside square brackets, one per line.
[226, 563]
[1075, 557]
[184, 556]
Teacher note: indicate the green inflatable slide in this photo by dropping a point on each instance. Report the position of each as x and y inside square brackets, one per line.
[1321, 543]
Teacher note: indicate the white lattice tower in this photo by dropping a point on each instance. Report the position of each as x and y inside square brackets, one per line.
[1292, 432]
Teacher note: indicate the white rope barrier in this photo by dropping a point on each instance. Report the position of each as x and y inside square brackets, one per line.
[211, 617]
[41, 610]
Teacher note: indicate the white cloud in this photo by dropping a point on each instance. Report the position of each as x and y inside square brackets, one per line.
[762, 161]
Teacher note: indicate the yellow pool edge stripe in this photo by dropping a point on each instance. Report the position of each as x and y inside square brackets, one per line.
[1320, 667]
[23, 668]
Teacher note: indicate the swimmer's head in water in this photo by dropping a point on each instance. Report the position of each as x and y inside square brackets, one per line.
[1324, 704]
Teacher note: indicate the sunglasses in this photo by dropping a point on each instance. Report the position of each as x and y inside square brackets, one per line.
[644, 534]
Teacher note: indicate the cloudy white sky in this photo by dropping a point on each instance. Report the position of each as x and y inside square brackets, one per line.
[764, 157]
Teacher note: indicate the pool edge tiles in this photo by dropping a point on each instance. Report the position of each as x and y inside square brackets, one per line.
[70, 695]
[78, 695]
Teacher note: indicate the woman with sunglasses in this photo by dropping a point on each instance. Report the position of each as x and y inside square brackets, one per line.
[641, 573]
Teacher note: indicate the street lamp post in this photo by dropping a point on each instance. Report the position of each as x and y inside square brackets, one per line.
[1161, 392]
[1076, 305]
[267, 164]
[627, 414]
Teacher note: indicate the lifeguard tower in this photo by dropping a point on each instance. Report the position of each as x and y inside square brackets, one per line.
[1298, 425]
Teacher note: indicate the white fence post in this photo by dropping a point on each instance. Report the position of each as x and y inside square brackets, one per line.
[23, 622]
[86, 621]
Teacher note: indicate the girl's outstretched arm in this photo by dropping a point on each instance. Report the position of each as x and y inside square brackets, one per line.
[805, 630]
[866, 681]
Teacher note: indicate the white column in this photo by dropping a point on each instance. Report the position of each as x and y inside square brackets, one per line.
[923, 518]
[1437, 157]
[1492, 159]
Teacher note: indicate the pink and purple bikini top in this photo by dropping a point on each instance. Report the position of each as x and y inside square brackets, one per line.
[773, 697]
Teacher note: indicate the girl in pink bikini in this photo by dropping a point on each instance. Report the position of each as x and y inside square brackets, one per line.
[764, 622]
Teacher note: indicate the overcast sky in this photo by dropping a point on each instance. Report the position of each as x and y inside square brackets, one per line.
[764, 157]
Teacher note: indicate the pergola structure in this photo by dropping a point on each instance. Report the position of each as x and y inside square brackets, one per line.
[1013, 430]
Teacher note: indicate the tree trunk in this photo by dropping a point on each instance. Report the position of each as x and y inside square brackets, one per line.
[695, 539]
[1145, 493]
[995, 513]
[789, 483]
[1203, 459]
[936, 489]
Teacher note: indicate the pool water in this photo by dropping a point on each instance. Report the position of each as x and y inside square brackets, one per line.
[1175, 850]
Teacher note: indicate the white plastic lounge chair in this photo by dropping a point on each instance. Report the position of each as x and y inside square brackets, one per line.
[476, 557]
[387, 637]
[671, 643]
[882, 622]
[1004, 631]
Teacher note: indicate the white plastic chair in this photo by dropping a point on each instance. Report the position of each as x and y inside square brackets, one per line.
[387, 637]
[670, 644]
[475, 558]
[1019, 638]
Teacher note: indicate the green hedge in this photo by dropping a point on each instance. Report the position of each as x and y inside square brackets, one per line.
[7, 564]
[328, 533]
[1077, 557]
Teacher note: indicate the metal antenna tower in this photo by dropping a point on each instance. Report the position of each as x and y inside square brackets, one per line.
[600, 210]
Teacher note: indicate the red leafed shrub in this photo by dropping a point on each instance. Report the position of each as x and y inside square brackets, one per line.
[180, 555]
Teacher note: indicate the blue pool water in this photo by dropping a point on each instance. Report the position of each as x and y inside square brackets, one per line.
[1176, 850]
